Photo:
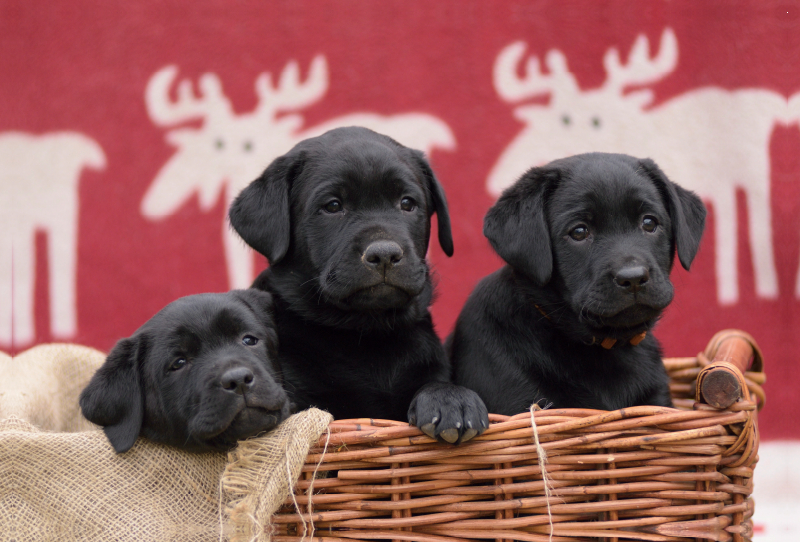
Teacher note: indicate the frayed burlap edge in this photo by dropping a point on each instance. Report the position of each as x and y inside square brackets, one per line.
[261, 474]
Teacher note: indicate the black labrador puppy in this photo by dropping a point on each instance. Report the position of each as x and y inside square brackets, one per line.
[589, 242]
[344, 220]
[199, 375]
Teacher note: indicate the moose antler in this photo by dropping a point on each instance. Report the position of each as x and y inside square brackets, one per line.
[291, 93]
[165, 112]
[513, 88]
[640, 68]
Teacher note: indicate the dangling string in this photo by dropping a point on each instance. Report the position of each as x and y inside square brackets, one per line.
[542, 455]
[313, 478]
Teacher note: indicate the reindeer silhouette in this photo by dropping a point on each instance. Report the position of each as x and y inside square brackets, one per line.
[709, 140]
[39, 176]
[228, 151]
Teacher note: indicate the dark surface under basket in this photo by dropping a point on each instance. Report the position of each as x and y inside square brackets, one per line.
[642, 473]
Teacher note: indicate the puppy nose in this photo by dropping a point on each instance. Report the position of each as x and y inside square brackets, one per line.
[632, 278]
[382, 255]
[237, 380]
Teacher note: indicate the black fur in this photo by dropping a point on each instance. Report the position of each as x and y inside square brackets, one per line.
[530, 331]
[344, 219]
[224, 391]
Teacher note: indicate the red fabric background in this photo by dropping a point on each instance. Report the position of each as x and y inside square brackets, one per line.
[83, 66]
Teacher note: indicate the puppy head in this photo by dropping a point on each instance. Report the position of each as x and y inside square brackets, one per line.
[349, 213]
[602, 230]
[200, 375]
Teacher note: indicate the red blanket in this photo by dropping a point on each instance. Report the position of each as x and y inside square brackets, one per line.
[126, 128]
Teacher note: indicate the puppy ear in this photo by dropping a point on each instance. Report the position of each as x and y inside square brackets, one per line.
[686, 210]
[439, 203]
[113, 398]
[516, 225]
[260, 213]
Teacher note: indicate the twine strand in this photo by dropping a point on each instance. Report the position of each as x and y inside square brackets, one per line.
[219, 509]
[542, 456]
[294, 500]
[314, 477]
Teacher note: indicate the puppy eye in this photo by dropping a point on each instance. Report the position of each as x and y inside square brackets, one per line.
[408, 204]
[333, 206]
[596, 122]
[566, 120]
[249, 340]
[178, 364]
[649, 224]
[580, 232]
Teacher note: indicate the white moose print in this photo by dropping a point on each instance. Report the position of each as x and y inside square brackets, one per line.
[39, 177]
[228, 151]
[709, 140]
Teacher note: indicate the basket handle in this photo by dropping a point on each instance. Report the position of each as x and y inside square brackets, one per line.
[732, 352]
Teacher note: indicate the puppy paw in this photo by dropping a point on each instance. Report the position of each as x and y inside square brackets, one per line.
[448, 413]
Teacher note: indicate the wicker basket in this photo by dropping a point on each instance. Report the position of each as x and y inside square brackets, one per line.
[641, 473]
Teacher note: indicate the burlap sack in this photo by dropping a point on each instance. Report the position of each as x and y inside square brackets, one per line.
[69, 486]
[42, 385]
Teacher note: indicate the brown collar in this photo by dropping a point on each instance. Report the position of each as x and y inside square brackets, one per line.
[608, 342]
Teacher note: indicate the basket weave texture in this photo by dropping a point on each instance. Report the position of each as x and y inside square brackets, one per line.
[642, 473]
